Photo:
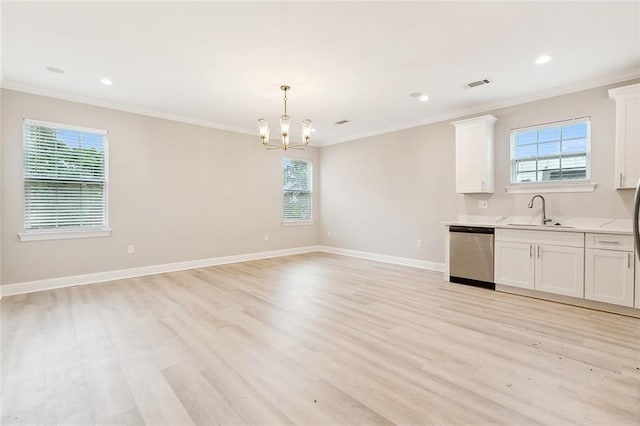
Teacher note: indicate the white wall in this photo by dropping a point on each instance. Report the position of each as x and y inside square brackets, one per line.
[381, 194]
[605, 201]
[177, 192]
[180, 192]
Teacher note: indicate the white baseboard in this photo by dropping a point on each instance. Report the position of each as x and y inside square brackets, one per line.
[405, 261]
[99, 277]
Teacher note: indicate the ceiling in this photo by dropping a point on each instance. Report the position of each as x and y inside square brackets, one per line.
[221, 64]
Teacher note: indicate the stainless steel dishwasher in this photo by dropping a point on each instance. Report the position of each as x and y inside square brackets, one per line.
[471, 256]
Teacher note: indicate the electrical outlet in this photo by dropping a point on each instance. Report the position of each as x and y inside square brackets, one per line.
[131, 249]
[266, 237]
[483, 204]
[419, 243]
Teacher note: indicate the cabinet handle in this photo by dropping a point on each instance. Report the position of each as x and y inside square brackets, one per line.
[608, 242]
[621, 180]
[530, 250]
[629, 260]
[483, 184]
[538, 252]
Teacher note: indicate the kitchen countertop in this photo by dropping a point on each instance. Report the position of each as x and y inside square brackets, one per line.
[570, 224]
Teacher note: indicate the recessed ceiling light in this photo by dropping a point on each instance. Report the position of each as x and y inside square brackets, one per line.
[424, 98]
[55, 70]
[543, 59]
[106, 81]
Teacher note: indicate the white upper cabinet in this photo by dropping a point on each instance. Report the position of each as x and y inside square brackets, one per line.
[627, 135]
[474, 154]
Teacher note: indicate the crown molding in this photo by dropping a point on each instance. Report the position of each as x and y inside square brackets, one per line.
[459, 113]
[489, 107]
[35, 90]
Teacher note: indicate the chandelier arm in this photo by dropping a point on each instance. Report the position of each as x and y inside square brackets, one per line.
[297, 146]
[280, 146]
[271, 146]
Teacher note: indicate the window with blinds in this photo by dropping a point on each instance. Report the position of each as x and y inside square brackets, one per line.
[551, 153]
[297, 190]
[65, 177]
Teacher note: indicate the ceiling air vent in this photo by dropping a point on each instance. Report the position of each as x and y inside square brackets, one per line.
[341, 122]
[479, 83]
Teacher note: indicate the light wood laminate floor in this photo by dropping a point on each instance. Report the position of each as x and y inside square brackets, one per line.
[312, 339]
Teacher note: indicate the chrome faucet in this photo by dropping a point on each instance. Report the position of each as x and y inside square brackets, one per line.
[545, 220]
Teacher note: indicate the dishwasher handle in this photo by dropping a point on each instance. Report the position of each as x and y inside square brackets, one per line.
[472, 229]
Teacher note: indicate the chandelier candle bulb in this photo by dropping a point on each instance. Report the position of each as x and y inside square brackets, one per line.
[284, 126]
[306, 130]
[263, 125]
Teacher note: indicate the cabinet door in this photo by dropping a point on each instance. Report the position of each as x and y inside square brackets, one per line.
[514, 264]
[627, 140]
[609, 276]
[560, 270]
[471, 149]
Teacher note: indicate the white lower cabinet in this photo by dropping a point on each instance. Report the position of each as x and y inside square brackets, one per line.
[592, 266]
[560, 270]
[547, 261]
[514, 264]
[609, 269]
[609, 276]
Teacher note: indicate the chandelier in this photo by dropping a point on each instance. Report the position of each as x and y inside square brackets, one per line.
[263, 125]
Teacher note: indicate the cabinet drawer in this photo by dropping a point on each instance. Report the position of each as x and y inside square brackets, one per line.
[609, 242]
[554, 238]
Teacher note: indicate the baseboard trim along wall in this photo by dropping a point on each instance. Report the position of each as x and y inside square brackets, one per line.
[100, 277]
[405, 261]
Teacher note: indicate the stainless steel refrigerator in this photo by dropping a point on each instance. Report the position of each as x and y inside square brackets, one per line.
[636, 214]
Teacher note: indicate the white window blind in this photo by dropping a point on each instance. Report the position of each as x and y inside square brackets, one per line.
[551, 153]
[297, 190]
[65, 177]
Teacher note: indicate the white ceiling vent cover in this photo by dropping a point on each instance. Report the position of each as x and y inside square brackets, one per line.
[479, 83]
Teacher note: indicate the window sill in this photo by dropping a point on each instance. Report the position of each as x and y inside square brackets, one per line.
[298, 223]
[551, 188]
[63, 235]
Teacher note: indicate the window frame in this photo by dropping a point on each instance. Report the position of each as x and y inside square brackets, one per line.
[297, 222]
[566, 185]
[68, 232]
